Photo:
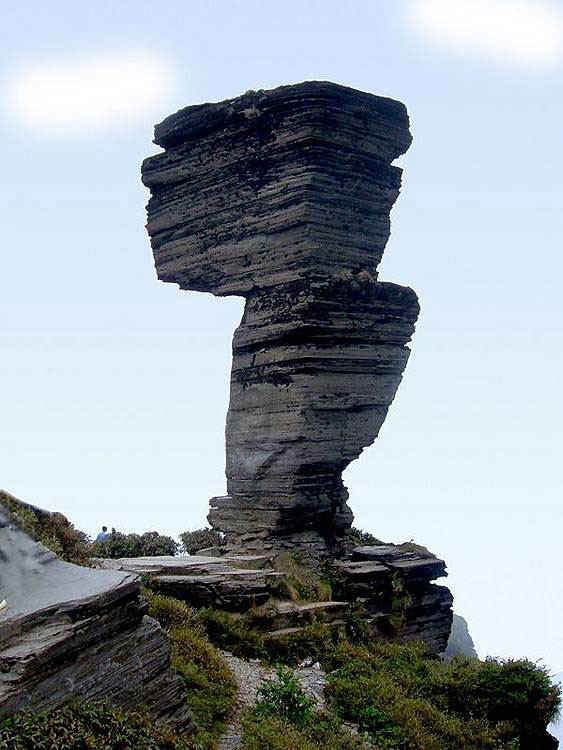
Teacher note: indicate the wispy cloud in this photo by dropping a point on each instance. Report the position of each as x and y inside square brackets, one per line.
[79, 95]
[522, 34]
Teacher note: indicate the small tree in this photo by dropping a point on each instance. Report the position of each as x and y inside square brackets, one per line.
[192, 541]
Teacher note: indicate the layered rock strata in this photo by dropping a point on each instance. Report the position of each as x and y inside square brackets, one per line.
[283, 197]
[69, 632]
[393, 583]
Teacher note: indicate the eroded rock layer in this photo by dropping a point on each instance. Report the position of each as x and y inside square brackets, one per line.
[70, 632]
[284, 197]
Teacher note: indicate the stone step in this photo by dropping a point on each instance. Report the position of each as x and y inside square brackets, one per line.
[168, 564]
[249, 561]
[288, 614]
[273, 634]
[232, 590]
[411, 559]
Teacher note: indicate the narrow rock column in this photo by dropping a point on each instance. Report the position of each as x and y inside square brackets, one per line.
[283, 197]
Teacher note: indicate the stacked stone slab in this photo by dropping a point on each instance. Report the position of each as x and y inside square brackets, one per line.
[70, 632]
[229, 583]
[283, 197]
[394, 584]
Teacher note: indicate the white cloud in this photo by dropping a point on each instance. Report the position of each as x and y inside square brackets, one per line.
[69, 95]
[522, 34]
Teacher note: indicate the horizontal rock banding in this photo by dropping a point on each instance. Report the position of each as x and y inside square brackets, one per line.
[283, 197]
[70, 632]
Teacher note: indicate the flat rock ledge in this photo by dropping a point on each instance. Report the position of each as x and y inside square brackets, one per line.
[393, 583]
[68, 631]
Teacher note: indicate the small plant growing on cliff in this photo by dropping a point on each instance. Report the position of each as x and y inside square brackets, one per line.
[300, 582]
[356, 623]
[358, 538]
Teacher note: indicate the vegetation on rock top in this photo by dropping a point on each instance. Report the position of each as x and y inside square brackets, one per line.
[151, 543]
[53, 530]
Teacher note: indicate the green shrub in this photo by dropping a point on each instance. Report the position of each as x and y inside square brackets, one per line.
[300, 582]
[272, 733]
[51, 529]
[314, 642]
[231, 633]
[172, 612]
[356, 624]
[87, 726]
[285, 718]
[211, 689]
[193, 541]
[209, 682]
[407, 700]
[117, 544]
[284, 697]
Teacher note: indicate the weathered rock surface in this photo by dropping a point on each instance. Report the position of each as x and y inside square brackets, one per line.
[231, 590]
[234, 583]
[283, 197]
[460, 642]
[394, 584]
[68, 631]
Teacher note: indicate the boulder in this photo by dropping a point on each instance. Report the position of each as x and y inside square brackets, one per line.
[68, 631]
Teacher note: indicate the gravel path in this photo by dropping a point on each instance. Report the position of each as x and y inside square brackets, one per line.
[249, 676]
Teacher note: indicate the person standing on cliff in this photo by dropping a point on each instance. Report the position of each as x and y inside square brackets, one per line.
[103, 534]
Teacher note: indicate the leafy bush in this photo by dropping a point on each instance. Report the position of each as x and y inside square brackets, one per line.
[407, 700]
[211, 687]
[314, 642]
[284, 697]
[172, 612]
[273, 733]
[193, 541]
[80, 726]
[221, 628]
[232, 633]
[51, 529]
[117, 544]
[356, 623]
[285, 718]
[210, 684]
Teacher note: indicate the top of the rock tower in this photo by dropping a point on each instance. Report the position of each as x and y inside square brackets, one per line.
[274, 187]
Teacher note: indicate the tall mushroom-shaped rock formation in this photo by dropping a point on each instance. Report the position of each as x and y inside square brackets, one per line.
[283, 197]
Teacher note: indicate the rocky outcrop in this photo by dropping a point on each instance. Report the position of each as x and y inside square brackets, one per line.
[460, 642]
[393, 583]
[283, 197]
[68, 631]
[231, 583]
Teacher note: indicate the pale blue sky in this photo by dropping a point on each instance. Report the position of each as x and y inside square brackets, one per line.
[114, 385]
